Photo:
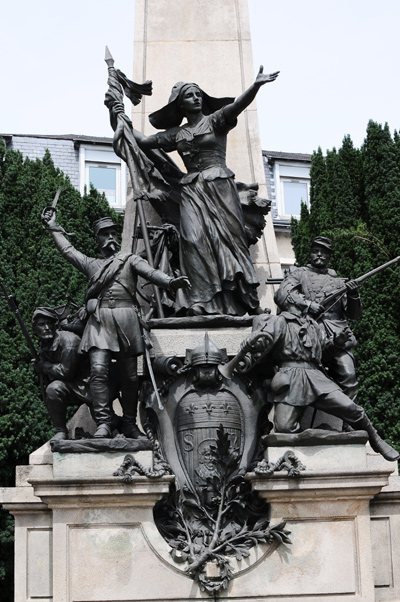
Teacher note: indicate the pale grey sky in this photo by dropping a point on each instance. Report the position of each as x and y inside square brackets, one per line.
[338, 61]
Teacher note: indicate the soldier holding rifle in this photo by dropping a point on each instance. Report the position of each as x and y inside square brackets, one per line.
[296, 343]
[310, 287]
[113, 327]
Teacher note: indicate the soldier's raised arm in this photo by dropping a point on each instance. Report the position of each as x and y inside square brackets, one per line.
[67, 250]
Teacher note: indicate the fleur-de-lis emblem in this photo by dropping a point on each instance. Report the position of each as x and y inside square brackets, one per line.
[191, 409]
[209, 407]
[226, 408]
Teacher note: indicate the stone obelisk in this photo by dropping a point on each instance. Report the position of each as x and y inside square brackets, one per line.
[209, 43]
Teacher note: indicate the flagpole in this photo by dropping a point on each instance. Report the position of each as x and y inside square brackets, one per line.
[115, 93]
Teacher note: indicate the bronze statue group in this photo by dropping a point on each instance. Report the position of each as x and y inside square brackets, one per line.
[308, 342]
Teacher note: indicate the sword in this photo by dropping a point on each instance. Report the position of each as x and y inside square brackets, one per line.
[147, 346]
[53, 209]
[152, 378]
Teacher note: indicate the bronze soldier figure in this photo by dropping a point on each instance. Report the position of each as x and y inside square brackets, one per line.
[113, 325]
[308, 287]
[59, 361]
[297, 343]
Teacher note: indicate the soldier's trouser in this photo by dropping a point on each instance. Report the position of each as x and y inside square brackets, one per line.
[59, 396]
[343, 371]
[100, 360]
[287, 418]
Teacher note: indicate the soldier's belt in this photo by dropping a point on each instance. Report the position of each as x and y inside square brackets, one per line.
[116, 303]
[300, 364]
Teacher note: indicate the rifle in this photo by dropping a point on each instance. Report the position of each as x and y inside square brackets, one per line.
[325, 302]
[14, 308]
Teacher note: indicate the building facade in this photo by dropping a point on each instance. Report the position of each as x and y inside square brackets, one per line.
[90, 160]
[85, 160]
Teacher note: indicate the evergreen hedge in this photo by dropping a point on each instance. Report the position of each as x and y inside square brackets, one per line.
[36, 274]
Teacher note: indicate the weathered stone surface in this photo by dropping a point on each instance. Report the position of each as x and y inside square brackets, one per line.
[101, 534]
[166, 341]
[103, 464]
[42, 455]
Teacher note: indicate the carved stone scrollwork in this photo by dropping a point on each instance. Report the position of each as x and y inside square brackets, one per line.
[289, 461]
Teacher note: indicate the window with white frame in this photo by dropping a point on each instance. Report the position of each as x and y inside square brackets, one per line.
[101, 167]
[292, 184]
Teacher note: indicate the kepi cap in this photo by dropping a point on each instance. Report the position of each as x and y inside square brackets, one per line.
[103, 222]
[44, 312]
[322, 241]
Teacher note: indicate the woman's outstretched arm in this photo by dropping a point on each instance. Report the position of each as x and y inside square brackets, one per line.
[142, 140]
[145, 141]
[234, 109]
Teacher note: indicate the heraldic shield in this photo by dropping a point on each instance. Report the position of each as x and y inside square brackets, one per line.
[207, 429]
[197, 403]
[198, 416]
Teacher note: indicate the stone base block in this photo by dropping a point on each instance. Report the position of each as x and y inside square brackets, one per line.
[85, 536]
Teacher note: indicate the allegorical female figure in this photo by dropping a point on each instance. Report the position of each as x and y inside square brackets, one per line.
[214, 252]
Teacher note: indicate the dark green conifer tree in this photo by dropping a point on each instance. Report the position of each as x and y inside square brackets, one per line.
[358, 190]
[36, 274]
[300, 231]
[318, 184]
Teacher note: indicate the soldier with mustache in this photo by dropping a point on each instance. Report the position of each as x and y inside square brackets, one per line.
[113, 327]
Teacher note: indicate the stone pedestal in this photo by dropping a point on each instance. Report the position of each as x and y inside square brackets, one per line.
[83, 535]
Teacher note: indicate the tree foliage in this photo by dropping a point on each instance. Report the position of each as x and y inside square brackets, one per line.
[35, 273]
[355, 200]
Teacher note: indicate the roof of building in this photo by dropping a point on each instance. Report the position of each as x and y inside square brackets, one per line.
[76, 138]
[107, 140]
[287, 156]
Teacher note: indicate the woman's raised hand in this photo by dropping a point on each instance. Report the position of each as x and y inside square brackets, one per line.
[264, 78]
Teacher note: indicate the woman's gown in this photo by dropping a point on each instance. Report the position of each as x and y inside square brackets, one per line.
[213, 248]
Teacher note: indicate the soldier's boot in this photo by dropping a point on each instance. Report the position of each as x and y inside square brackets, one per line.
[116, 420]
[99, 392]
[103, 431]
[129, 427]
[101, 411]
[378, 445]
[129, 404]
[57, 410]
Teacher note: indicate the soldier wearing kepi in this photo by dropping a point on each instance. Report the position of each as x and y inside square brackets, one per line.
[59, 362]
[296, 343]
[308, 287]
[113, 327]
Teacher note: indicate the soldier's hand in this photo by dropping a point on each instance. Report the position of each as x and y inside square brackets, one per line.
[256, 341]
[49, 217]
[118, 107]
[38, 365]
[180, 282]
[342, 338]
[352, 286]
[315, 308]
[249, 343]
